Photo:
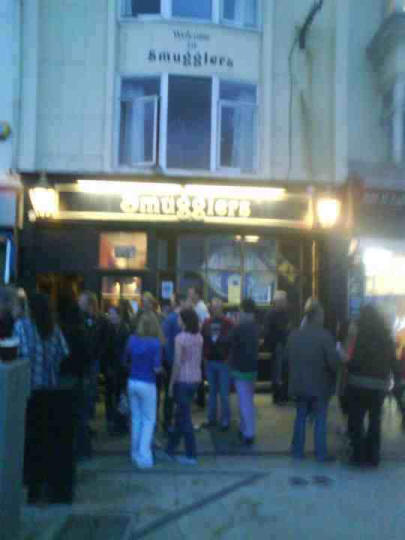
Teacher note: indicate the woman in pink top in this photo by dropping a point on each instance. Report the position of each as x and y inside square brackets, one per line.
[186, 376]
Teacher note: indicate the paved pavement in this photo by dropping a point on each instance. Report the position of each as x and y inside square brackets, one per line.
[231, 497]
[274, 428]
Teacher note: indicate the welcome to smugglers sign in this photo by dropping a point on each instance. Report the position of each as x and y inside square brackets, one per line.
[189, 49]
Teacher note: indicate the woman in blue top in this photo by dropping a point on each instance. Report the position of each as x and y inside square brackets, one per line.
[143, 354]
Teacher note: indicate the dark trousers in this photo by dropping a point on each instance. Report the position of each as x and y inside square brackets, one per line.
[110, 401]
[168, 405]
[82, 438]
[279, 375]
[49, 457]
[183, 398]
[365, 444]
[201, 398]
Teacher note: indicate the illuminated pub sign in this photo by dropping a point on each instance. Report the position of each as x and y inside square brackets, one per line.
[130, 201]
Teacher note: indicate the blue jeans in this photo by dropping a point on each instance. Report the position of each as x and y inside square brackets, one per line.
[219, 380]
[305, 407]
[183, 394]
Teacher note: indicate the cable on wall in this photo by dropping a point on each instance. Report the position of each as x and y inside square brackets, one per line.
[300, 39]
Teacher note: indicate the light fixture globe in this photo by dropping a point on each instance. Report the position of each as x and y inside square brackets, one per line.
[328, 212]
[44, 199]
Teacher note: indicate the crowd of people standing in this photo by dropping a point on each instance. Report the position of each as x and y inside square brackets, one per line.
[145, 356]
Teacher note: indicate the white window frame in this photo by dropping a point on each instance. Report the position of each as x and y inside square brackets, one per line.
[394, 6]
[232, 104]
[167, 13]
[157, 113]
[240, 24]
[160, 136]
[142, 16]
[155, 100]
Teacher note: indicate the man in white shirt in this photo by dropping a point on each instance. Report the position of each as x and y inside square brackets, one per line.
[195, 299]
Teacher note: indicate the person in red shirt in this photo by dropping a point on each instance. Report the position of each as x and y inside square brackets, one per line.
[216, 332]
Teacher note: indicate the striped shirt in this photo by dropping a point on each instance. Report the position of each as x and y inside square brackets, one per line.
[45, 356]
[188, 354]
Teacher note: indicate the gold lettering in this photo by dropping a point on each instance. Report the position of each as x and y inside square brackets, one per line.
[221, 207]
[233, 206]
[244, 209]
[198, 205]
[149, 205]
[210, 208]
[130, 204]
[183, 207]
[168, 205]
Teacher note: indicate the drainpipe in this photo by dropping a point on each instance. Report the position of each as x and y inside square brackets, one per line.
[17, 78]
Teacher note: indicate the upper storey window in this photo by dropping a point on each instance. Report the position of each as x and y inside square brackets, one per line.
[188, 123]
[395, 5]
[135, 8]
[200, 9]
[242, 13]
[237, 126]
[138, 121]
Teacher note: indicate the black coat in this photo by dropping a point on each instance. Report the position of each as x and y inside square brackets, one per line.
[77, 364]
[276, 329]
[374, 356]
[100, 333]
[245, 347]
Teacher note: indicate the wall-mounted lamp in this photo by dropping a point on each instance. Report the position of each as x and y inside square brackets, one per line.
[5, 131]
[328, 211]
[44, 199]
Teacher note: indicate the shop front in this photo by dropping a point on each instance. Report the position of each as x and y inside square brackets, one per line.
[121, 238]
[377, 272]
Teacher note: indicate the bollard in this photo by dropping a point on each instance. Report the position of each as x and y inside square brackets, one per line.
[14, 392]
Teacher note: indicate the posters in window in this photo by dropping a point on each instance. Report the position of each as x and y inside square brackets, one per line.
[234, 289]
[167, 290]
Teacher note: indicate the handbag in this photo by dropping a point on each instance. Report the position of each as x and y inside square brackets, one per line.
[123, 404]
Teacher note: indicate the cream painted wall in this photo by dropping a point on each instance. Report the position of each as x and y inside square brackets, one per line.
[313, 126]
[72, 56]
[367, 139]
[9, 81]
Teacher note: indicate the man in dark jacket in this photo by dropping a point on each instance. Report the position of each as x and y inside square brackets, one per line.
[244, 363]
[100, 334]
[275, 339]
[216, 331]
[313, 363]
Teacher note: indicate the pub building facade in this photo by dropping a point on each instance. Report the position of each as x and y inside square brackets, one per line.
[120, 238]
[168, 147]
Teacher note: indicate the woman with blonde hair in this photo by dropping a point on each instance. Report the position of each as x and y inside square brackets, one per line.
[143, 355]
